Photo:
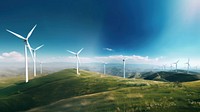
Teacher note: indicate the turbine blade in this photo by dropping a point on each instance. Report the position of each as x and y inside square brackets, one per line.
[80, 51]
[71, 52]
[125, 58]
[29, 34]
[39, 47]
[19, 36]
[30, 49]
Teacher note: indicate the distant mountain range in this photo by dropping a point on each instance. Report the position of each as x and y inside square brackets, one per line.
[115, 69]
[170, 76]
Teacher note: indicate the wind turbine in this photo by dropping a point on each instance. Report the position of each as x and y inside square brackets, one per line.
[188, 65]
[77, 59]
[34, 58]
[124, 63]
[27, 45]
[176, 63]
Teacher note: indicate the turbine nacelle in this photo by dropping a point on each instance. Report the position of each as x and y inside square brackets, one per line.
[25, 40]
[124, 58]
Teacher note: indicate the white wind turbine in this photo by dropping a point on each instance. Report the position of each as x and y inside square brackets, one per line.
[176, 63]
[34, 58]
[27, 45]
[77, 59]
[188, 65]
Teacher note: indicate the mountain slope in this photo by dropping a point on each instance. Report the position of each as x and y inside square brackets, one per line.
[165, 97]
[64, 84]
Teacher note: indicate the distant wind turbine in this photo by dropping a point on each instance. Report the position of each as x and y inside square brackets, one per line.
[124, 63]
[188, 65]
[41, 67]
[164, 67]
[176, 63]
[34, 58]
[77, 59]
[196, 67]
[27, 45]
[104, 68]
[171, 66]
[152, 69]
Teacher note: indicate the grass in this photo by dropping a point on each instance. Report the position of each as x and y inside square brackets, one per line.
[89, 92]
[140, 99]
[5, 81]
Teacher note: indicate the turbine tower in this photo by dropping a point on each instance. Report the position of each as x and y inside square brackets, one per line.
[27, 45]
[196, 67]
[104, 68]
[41, 67]
[188, 65]
[77, 59]
[124, 63]
[34, 58]
[164, 67]
[176, 63]
[171, 66]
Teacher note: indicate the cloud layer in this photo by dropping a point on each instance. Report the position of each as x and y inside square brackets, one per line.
[12, 56]
[134, 59]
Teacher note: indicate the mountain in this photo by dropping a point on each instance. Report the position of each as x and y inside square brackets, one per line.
[172, 76]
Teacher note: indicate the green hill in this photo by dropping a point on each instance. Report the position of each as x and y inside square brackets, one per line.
[93, 92]
[56, 86]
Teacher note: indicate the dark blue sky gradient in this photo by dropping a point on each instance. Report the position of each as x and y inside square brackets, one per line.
[132, 25]
[141, 27]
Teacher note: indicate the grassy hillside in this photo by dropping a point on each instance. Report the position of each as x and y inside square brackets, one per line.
[64, 84]
[171, 98]
[65, 91]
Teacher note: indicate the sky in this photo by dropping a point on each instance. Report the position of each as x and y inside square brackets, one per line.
[145, 31]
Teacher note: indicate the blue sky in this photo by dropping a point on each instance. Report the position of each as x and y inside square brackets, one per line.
[152, 28]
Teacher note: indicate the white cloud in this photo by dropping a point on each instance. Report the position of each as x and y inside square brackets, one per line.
[12, 56]
[108, 49]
